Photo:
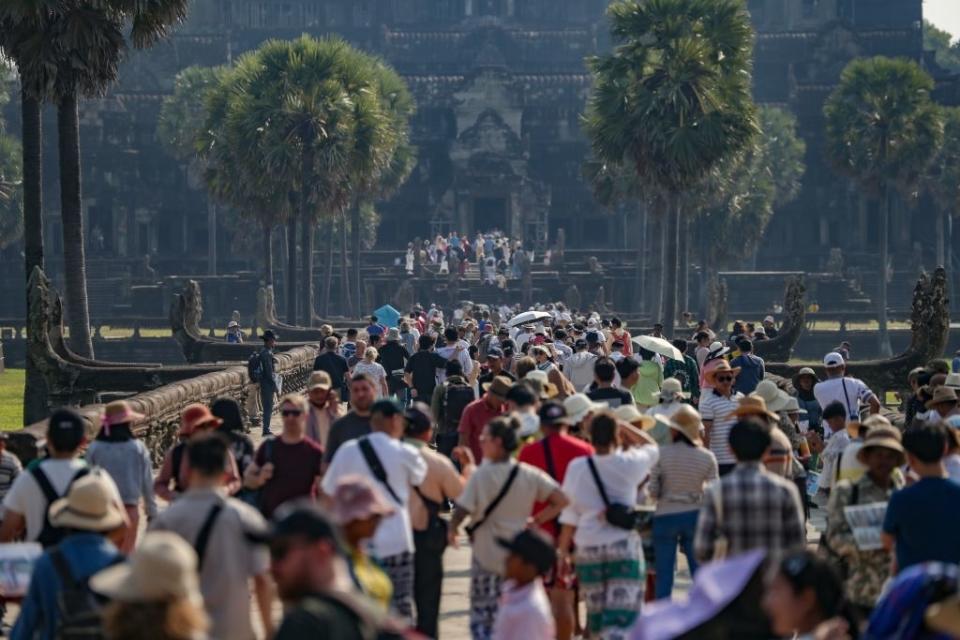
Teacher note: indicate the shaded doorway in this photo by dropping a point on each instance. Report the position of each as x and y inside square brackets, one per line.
[490, 214]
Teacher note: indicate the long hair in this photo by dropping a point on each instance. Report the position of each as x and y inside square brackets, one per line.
[115, 433]
[167, 620]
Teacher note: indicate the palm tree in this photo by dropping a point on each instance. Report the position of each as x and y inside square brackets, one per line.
[673, 101]
[883, 130]
[943, 182]
[11, 187]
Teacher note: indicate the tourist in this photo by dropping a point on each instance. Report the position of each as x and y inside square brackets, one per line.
[334, 364]
[676, 484]
[219, 529]
[154, 596]
[716, 409]
[394, 357]
[234, 334]
[481, 411]
[397, 467]
[657, 331]
[450, 398]
[716, 353]
[409, 335]
[850, 468]
[348, 349]
[118, 452]
[604, 371]
[523, 401]
[358, 507]
[804, 599]
[578, 368]
[686, 371]
[803, 383]
[922, 520]
[233, 429]
[523, 611]
[864, 572]
[356, 422]
[454, 347]
[850, 392]
[420, 374]
[670, 399]
[93, 520]
[657, 427]
[27, 503]
[841, 432]
[770, 327]
[374, 370]
[580, 409]
[286, 467]
[442, 484]
[195, 420]
[749, 508]
[374, 328]
[494, 367]
[943, 404]
[619, 333]
[598, 487]
[324, 407]
[703, 339]
[553, 455]
[751, 368]
[499, 498]
[268, 379]
[10, 469]
[650, 379]
[560, 346]
[312, 577]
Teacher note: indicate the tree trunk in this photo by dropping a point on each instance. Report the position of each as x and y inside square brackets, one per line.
[347, 305]
[267, 255]
[683, 294]
[35, 389]
[71, 212]
[885, 350]
[328, 275]
[291, 286]
[640, 270]
[670, 264]
[655, 251]
[307, 227]
[941, 240]
[211, 237]
[355, 241]
[706, 267]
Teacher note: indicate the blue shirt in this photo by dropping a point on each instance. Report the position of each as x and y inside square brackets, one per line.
[375, 330]
[86, 554]
[925, 518]
[751, 373]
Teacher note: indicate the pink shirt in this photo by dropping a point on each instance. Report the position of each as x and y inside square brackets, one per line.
[523, 613]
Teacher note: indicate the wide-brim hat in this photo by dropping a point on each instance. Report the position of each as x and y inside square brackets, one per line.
[672, 388]
[319, 380]
[716, 350]
[806, 371]
[393, 334]
[752, 406]
[952, 381]
[499, 386]
[793, 406]
[91, 504]
[885, 437]
[578, 406]
[120, 412]
[687, 421]
[941, 395]
[722, 367]
[163, 567]
[772, 396]
[631, 415]
[357, 498]
[197, 415]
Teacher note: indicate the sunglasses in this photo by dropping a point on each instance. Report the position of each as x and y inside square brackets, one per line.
[286, 413]
[724, 378]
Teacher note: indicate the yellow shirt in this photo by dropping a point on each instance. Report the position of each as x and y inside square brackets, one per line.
[372, 580]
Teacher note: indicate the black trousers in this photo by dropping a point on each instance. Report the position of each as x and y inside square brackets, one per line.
[427, 580]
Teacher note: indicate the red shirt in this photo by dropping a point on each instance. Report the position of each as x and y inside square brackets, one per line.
[474, 418]
[563, 449]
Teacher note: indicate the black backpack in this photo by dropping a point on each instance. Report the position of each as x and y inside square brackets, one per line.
[455, 399]
[255, 367]
[50, 535]
[176, 459]
[78, 612]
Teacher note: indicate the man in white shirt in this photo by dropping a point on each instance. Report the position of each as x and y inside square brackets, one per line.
[578, 368]
[397, 467]
[850, 392]
[454, 345]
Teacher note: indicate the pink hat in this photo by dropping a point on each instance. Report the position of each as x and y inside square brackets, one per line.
[356, 498]
[120, 412]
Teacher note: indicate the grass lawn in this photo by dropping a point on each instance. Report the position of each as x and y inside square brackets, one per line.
[11, 399]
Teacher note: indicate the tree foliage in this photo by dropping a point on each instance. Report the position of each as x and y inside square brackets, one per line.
[11, 181]
[946, 51]
[944, 176]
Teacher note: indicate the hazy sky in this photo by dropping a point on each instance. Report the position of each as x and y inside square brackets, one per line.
[943, 13]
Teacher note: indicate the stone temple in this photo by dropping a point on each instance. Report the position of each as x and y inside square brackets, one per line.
[500, 85]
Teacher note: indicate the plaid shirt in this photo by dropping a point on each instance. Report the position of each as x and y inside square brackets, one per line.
[760, 511]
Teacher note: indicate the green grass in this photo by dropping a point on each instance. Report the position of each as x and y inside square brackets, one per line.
[11, 399]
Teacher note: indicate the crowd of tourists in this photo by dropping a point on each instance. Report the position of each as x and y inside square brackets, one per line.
[573, 456]
[497, 257]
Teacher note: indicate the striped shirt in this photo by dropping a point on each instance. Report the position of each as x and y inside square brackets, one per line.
[718, 408]
[678, 479]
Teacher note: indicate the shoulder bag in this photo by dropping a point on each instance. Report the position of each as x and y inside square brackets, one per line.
[618, 515]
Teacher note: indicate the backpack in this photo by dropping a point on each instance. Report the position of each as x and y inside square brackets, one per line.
[455, 399]
[176, 459]
[50, 535]
[255, 367]
[78, 613]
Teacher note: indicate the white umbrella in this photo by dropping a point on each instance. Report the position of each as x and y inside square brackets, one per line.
[527, 317]
[658, 345]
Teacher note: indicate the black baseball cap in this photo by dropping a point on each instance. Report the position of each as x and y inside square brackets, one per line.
[269, 335]
[66, 429]
[387, 407]
[534, 547]
[303, 519]
[494, 352]
[418, 417]
[552, 413]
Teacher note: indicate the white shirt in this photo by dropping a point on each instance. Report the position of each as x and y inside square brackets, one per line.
[563, 351]
[26, 498]
[952, 463]
[850, 392]
[405, 468]
[579, 369]
[463, 357]
[621, 473]
[524, 613]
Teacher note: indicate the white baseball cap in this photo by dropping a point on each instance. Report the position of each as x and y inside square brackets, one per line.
[833, 359]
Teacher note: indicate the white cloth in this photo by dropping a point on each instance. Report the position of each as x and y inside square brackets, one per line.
[850, 392]
[463, 356]
[579, 369]
[405, 468]
[621, 473]
[952, 463]
[26, 498]
[524, 613]
[375, 370]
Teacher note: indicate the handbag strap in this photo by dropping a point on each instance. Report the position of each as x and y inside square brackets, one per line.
[597, 481]
[548, 457]
[496, 500]
[718, 506]
[203, 537]
[376, 467]
[846, 401]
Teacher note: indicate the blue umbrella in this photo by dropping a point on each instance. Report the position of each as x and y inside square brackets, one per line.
[387, 316]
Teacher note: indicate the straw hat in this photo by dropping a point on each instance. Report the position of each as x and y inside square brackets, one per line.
[163, 567]
[197, 415]
[631, 415]
[722, 367]
[91, 504]
[885, 437]
[356, 498]
[545, 388]
[120, 412]
[578, 406]
[753, 406]
[793, 406]
[319, 380]
[952, 381]
[687, 421]
[499, 386]
[941, 395]
[671, 389]
[774, 398]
